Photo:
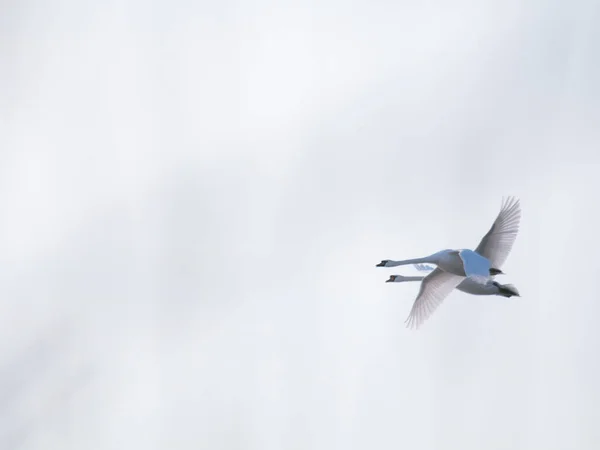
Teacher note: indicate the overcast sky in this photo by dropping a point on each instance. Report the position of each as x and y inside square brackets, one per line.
[194, 196]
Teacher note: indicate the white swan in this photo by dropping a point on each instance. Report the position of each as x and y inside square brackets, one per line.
[491, 252]
[469, 286]
[464, 263]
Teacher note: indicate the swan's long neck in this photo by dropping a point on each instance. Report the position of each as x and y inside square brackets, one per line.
[427, 259]
[400, 278]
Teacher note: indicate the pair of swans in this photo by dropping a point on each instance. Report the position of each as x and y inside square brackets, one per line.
[467, 270]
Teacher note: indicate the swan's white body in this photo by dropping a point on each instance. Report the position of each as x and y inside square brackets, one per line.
[464, 263]
[491, 253]
[467, 285]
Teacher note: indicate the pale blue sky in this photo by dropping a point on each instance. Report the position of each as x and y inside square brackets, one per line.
[194, 197]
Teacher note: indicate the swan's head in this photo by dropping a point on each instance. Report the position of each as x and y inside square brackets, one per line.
[383, 263]
[393, 278]
[494, 271]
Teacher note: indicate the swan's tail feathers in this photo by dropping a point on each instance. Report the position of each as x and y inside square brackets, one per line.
[509, 290]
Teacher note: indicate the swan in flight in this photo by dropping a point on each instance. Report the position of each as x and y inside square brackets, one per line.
[465, 263]
[490, 254]
[469, 286]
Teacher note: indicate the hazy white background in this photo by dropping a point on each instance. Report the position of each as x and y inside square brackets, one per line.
[194, 196]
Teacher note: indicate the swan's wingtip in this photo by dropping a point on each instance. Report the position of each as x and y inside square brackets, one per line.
[411, 323]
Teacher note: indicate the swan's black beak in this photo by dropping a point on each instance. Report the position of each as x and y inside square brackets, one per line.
[382, 263]
[494, 271]
[392, 278]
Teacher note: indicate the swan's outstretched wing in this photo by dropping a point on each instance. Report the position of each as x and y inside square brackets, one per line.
[423, 267]
[435, 287]
[498, 241]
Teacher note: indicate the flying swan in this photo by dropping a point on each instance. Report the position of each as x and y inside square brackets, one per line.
[468, 285]
[454, 265]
